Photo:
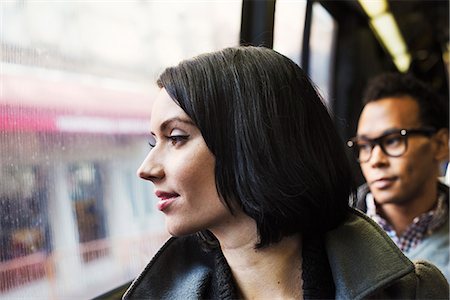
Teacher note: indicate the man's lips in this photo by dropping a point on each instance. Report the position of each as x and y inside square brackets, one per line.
[383, 183]
[165, 199]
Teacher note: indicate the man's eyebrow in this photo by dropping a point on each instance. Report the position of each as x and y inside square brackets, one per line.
[385, 132]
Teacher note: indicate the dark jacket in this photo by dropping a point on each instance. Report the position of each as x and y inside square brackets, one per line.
[364, 262]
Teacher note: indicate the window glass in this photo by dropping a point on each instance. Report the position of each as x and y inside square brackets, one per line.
[288, 28]
[76, 86]
[323, 27]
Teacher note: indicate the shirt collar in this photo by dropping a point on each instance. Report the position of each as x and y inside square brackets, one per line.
[421, 227]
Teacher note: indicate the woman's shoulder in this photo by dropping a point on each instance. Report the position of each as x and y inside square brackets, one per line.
[426, 282]
[366, 262]
[430, 280]
[359, 235]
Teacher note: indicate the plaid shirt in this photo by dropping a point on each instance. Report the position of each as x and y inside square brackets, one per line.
[421, 227]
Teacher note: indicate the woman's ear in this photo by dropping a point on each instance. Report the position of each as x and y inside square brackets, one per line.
[442, 144]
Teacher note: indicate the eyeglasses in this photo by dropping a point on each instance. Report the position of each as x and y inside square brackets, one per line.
[393, 143]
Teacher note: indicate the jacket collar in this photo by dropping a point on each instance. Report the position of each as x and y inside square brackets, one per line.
[179, 270]
[363, 259]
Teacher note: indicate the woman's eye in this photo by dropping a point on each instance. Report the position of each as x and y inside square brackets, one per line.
[177, 139]
[152, 142]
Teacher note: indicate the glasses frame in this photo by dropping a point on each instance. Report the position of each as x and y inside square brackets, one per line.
[353, 142]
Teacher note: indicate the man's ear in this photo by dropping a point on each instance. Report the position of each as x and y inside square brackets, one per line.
[442, 144]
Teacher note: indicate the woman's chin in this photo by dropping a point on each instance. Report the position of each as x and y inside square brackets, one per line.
[179, 230]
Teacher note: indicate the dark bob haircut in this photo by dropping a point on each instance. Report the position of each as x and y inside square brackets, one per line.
[278, 155]
[433, 109]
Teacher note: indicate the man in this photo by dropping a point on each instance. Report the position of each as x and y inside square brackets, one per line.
[401, 143]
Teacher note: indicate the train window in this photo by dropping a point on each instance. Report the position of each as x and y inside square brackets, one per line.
[288, 28]
[76, 90]
[323, 27]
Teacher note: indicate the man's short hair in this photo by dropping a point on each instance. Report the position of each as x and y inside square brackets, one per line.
[433, 108]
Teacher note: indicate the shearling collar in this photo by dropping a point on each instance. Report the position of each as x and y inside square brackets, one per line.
[362, 258]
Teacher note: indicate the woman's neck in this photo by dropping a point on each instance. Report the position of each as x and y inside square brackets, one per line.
[273, 272]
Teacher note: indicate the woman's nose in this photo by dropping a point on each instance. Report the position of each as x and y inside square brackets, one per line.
[150, 169]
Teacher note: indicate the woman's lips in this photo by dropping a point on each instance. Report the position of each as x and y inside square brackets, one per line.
[383, 183]
[164, 203]
[165, 199]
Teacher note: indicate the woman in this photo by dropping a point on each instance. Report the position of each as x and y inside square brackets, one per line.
[245, 155]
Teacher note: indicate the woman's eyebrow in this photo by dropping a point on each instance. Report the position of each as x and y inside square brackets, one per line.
[167, 122]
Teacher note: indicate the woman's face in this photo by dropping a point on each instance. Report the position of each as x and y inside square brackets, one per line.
[181, 167]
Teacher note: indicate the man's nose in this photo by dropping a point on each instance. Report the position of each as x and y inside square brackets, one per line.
[378, 157]
[151, 169]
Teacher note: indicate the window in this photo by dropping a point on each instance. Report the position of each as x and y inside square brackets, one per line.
[24, 219]
[86, 195]
[75, 97]
[288, 28]
[322, 36]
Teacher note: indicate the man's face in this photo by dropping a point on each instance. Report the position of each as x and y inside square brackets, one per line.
[398, 180]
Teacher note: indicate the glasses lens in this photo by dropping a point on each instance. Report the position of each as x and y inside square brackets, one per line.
[363, 150]
[394, 144]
